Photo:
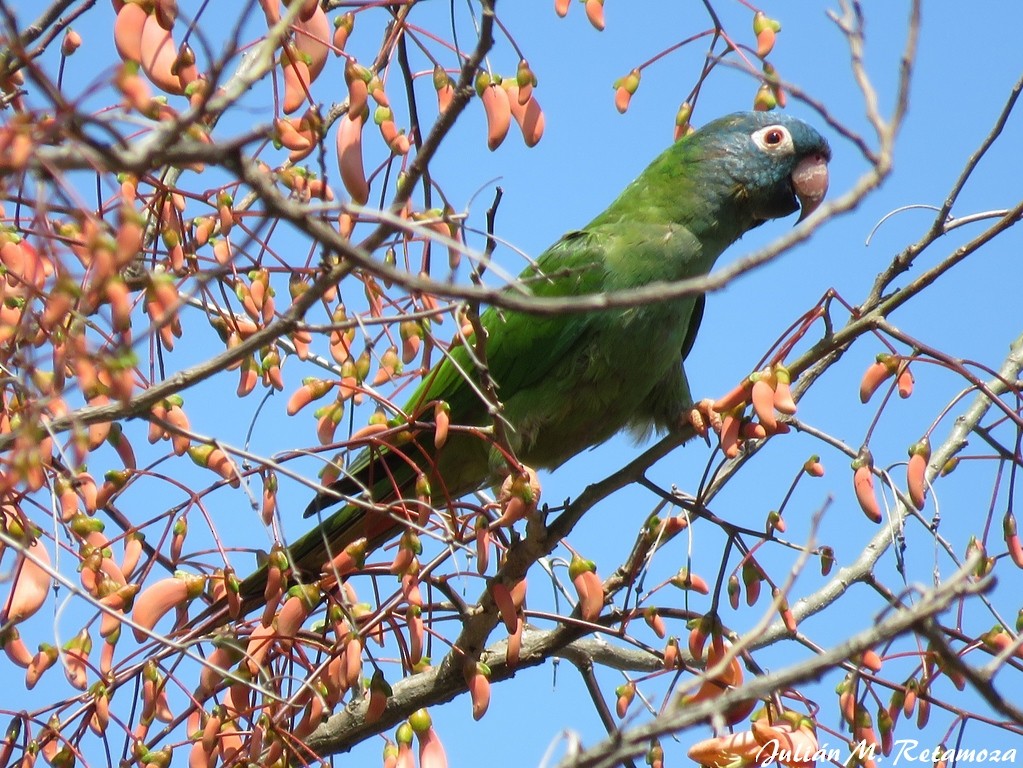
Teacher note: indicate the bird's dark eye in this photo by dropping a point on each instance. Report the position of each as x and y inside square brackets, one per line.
[773, 138]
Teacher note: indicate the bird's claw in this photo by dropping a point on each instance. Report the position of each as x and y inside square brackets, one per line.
[702, 417]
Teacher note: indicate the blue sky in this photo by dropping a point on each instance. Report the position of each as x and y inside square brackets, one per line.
[966, 65]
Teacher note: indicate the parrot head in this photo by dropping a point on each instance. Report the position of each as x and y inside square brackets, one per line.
[777, 164]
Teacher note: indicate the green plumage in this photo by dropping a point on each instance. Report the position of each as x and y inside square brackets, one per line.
[569, 382]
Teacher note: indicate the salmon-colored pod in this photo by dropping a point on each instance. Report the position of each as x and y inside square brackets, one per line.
[156, 430]
[623, 97]
[353, 661]
[590, 590]
[58, 307]
[699, 630]
[351, 558]
[733, 399]
[302, 340]
[477, 679]
[328, 422]
[871, 660]
[302, 599]
[311, 389]
[561, 7]
[157, 599]
[159, 54]
[497, 107]
[31, 584]
[405, 559]
[528, 116]
[133, 548]
[245, 295]
[847, 701]
[296, 82]
[44, 658]
[357, 78]
[863, 484]
[106, 653]
[1012, 541]
[672, 658]
[403, 754]
[877, 372]
[595, 14]
[318, 189]
[784, 611]
[416, 633]
[524, 81]
[14, 647]
[312, 36]
[762, 398]
[445, 87]
[411, 333]
[13, 259]
[100, 717]
[179, 441]
[154, 696]
[754, 430]
[260, 641]
[178, 533]
[813, 466]
[225, 214]
[397, 141]
[686, 579]
[199, 756]
[223, 465]
[379, 693]
[713, 688]
[904, 383]
[343, 26]
[117, 601]
[128, 26]
[390, 366]
[783, 401]
[519, 496]
[798, 736]
[624, 694]
[24, 265]
[505, 603]
[730, 435]
[376, 90]
[349, 158]
[442, 423]
[916, 472]
[431, 751]
[76, 658]
[69, 501]
[291, 137]
[248, 376]
[119, 296]
[655, 621]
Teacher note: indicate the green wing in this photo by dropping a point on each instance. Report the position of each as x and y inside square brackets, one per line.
[567, 382]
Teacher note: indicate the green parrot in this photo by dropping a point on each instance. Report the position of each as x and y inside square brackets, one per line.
[568, 382]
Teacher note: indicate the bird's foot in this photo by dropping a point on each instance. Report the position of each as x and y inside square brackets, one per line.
[702, 417]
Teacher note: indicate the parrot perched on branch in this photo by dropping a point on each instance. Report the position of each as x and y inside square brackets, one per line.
[570, 381]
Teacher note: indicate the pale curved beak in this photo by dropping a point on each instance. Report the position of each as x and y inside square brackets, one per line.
[810, 183]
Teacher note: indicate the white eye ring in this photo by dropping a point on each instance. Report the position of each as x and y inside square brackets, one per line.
[774, 138]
